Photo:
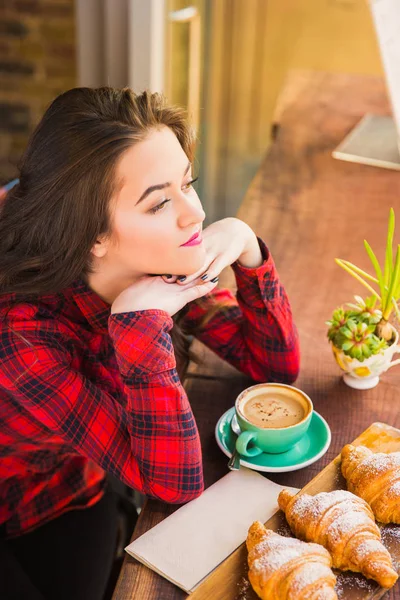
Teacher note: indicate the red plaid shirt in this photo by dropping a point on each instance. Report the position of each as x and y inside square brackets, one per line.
[83, 392]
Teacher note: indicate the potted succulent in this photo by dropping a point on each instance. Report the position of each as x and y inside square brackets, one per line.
[361, 334]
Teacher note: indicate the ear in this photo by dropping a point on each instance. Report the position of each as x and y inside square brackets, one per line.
[100, 248]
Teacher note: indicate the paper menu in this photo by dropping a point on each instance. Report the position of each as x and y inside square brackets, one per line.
[189, 544]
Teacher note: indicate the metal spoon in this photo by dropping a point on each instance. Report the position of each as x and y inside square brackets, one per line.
[234, 461]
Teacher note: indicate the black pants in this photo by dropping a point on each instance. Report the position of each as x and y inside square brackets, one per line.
[69, 558]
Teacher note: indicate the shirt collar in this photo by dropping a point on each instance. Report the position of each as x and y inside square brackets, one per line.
[95, 310]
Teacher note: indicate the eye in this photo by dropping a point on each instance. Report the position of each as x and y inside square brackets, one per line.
[189, 185]
[155, 210]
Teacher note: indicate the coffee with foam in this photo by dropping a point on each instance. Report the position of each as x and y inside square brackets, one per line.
[274, 408]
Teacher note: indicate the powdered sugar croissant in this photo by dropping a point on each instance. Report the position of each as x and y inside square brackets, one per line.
[345, 526]
[376, 478]
[283, 568]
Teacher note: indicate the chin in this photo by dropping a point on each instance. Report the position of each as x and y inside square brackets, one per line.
[192, 268]
[192, 263]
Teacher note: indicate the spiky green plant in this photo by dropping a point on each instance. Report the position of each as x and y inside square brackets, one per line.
[366, 309]
[387, 279]
[339, 319]
[354, 330]
[360, 342]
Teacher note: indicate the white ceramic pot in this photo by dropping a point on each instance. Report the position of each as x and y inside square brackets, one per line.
[365, 375]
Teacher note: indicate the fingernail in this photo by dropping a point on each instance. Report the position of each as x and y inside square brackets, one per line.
[168, 276]
[203, 277]
[182, 278]
[214, 280]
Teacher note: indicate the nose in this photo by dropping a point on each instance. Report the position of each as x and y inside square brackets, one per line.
[190, 212]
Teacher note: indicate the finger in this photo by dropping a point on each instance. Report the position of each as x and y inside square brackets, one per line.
[197, 291]
[169, 278]
[184, 280]
[214, 269]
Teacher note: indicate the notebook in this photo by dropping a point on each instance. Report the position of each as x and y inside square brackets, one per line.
[189, 544]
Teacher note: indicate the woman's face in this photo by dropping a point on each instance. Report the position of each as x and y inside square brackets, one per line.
[155, 211]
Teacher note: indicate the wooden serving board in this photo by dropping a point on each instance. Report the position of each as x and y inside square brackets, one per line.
[229, 580]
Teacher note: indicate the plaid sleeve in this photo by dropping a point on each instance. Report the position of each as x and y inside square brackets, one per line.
[147, 437]
[253, 331]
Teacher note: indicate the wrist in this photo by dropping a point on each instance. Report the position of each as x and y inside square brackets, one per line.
[251, 256]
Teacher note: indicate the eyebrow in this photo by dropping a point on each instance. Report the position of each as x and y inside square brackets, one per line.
[159, 186]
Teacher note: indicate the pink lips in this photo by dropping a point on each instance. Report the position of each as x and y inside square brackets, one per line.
[195, 240]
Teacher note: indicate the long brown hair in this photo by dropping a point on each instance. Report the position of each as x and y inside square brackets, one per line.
[50, 221]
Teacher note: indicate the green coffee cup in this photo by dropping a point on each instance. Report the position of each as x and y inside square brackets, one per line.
[273, 417]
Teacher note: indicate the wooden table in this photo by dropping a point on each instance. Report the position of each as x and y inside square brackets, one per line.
[309, 208]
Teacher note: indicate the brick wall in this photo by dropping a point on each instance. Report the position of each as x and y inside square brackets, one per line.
[37, 62]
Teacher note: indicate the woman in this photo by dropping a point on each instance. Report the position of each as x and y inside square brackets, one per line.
[99, 283]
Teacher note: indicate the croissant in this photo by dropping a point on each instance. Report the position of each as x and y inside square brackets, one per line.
[283, 568]
[376, 478]
[345, 526]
